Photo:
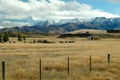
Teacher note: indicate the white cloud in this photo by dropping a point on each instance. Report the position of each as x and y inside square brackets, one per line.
[12, 24]
[1, 27]
[44, 9]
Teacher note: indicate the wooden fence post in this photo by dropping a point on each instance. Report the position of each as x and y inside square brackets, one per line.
[68, 65]
[3, 70]
[90, 63]
[108, 58]
[40, 68]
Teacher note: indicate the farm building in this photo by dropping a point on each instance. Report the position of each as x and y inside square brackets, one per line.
[93, 37]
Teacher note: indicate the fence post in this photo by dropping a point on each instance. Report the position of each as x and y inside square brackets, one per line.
[108, 58]
[68, 65]
[90, 63]
[3, 70]
[40, 68]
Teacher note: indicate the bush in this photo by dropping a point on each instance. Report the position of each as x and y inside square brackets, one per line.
[39, 41]
[19, 37]
[10, 42]
[14, 42]
[61, 42]
[44, 41]
[24, 38]
[34, 41]
[6, 37]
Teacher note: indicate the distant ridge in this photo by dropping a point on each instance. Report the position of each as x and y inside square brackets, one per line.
[113, 31]
[68, 25]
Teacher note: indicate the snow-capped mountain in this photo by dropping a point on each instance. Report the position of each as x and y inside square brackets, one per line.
[45, 22]
[75, 20]
[67, 25]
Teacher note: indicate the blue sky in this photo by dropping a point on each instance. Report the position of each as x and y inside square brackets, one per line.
[25, 12]
[112, 6]
[107, 5]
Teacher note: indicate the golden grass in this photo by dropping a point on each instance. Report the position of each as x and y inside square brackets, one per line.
[89, 30]
[22, 59]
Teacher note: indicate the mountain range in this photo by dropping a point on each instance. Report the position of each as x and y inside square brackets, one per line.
[68, 25]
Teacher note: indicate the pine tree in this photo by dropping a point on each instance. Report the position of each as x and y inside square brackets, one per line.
[6, 37]
[0, 37]
[19, 37]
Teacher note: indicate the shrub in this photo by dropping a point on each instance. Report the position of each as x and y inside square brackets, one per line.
[9, 41]
[39, 41]
[19, 37]
[24, 38]
[14, 42]
[61, 42]
[34, 41]
[44, 41]
[6, 37]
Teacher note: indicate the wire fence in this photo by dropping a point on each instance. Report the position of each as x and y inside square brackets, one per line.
[44, 72]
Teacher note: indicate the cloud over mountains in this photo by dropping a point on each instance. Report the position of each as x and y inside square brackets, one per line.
[45, 9]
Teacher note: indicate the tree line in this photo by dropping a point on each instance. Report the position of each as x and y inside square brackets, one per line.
[4, 37]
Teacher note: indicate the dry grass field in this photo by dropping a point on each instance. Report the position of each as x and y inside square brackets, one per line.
[22, 59]
[90, 31]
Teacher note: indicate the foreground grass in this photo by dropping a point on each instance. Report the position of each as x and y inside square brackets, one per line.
[22, 60]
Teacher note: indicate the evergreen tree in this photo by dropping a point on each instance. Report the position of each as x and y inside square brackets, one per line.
[19, 37]
[6, 37]
[0, 37]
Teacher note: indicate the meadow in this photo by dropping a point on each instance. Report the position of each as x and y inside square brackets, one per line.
[22, 59]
